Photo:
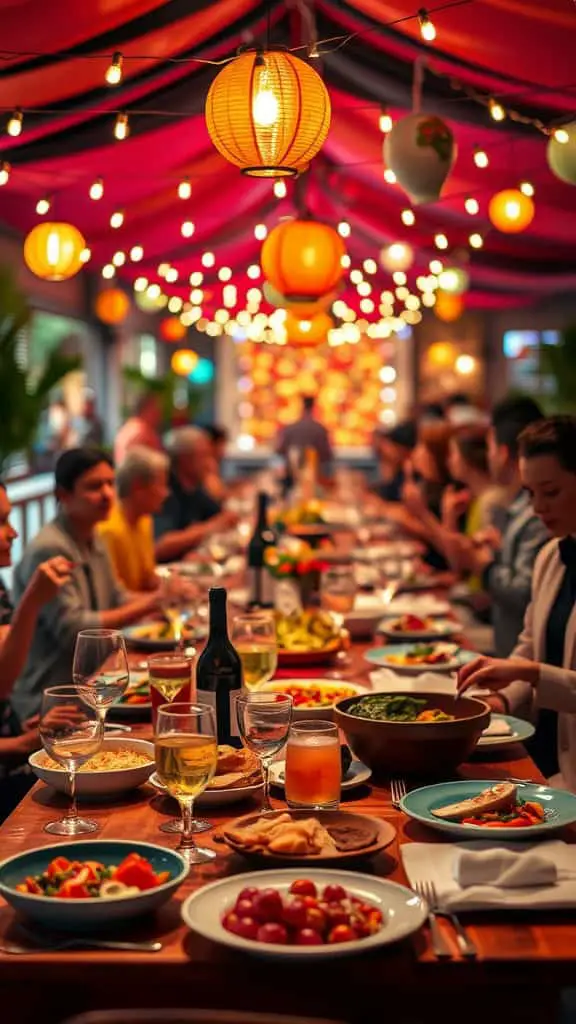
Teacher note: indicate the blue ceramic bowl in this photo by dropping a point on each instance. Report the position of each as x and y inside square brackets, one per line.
[89, 914]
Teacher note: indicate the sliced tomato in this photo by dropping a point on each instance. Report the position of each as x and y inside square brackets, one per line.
[136, 870]
[58, 866]
[76, 888]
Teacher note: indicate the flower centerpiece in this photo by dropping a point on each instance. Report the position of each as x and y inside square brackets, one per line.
[296, 568]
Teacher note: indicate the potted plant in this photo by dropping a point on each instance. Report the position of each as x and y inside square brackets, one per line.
[559, 362]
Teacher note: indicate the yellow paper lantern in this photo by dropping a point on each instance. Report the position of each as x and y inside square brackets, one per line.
[448, 307]
[184, 361]
[511, 211]
[112, 306]
[268, 113]
[441, 354]
[53, 250]
[307, 333]
[302, 259]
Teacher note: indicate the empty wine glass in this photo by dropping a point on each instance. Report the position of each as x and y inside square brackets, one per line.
[264, 721]
[338, 590]
[100, 668]
[71, 731]
[254, 637]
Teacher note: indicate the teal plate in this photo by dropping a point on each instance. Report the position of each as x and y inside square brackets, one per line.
[560, 809]
[381, 656]
[521, 731]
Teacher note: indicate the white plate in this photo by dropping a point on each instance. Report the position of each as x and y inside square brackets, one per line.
[521, 731]
[404, 912]
[441, 629]
[381, 656]
[215, 797]
[423, 605]
[280, 685]
[102, 783]
[357, 774]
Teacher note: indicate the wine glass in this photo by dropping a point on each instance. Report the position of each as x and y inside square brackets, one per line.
[338, 590]
[100, 668]
[254, 637]
[186, 749]
[264, 721]
[71, 731]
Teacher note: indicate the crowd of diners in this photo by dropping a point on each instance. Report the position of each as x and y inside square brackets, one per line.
[493, 502]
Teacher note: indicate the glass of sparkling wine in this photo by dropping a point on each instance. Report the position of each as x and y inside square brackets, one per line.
[170, 677]
[186, 754]
[264, 720]
[100, 668]
[254, 637]
[71, 731]
[313, 766]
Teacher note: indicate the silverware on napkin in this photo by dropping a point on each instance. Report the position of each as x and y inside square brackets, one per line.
[440, 947]
[427, 890]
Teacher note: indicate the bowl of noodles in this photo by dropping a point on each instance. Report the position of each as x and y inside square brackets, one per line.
[120, 765]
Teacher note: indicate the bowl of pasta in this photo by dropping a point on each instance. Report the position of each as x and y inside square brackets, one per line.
[120, 765]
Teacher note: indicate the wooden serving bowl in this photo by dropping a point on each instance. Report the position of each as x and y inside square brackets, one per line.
[423, 749]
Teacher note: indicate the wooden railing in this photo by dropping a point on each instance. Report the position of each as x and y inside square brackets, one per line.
[33, 504]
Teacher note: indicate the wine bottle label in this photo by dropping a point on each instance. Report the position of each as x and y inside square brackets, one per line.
[260, 588]
[224, 706]
[287, 598]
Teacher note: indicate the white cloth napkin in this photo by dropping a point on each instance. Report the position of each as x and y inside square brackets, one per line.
[498, 727]
[416, 604]
[385, 680]
[435, 862]
[506, 869]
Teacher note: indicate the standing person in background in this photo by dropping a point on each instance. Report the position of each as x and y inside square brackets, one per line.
[89, 428]
[393, 449]
[142, 428]
[307, 433]
[213, 481]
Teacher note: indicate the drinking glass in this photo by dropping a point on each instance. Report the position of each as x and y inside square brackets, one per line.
[254, 637]
[71, 731]
[313, 766]
[338, 590]
[100, 668]
[186, 749]
[176, 593]
[264, 720]
[170, 676]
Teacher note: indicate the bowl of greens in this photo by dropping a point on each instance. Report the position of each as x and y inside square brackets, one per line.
[421, 734]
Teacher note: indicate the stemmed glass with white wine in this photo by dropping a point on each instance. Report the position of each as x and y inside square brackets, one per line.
[254, 637]
[100, 668]
[71, 731]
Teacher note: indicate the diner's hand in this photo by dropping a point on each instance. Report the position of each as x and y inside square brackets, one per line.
[49, 577]
[454, 505]
[490, 536]
[459, 551]
[225, 520]
[497, 673]
[411, 493]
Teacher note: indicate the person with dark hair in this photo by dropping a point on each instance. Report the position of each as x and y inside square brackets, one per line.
[142, 428]
[91, 598]
[393, 449]
[478, 496]
[306, 433]
[541, 670]
[213, 483]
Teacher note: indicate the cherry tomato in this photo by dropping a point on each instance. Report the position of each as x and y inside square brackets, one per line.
[268, 906]
[303, 887]
[244, 907]
[310, 901]
[231, 922]
[295, 912]
[308, 937]
[341, 933]
[337, 914]
[272, 932]
[334, 893]
[247, 928]
[247, 894]
[316, 919]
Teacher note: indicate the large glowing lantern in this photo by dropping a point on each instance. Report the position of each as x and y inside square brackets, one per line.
[302, 259]
[397, 256]
[448, 307]
[511, 211]
[53, 250]
[112, 306]
[421, 151]
[561, 153]
[172, 329]
[453, 280]
[268, 113]
[441, 355]
[184, 361]
[307, 333]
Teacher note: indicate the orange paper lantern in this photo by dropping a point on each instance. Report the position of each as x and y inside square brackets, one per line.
[511, 211]
[448, 306]
[302, 259]
[53, 251]
[112, 306]
[307, 333]
[184, 361]
[268, 113]
[172, 329]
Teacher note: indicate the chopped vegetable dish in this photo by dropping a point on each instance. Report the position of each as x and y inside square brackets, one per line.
[384, 708]
[74, 879]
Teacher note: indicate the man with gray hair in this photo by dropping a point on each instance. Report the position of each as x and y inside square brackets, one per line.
[141, 489]
[189, 514]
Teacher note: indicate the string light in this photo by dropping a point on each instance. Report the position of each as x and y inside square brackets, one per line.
[162, 269]
[440, 241]
[280, 190]
[140, 284]
[476, 240]
[370, 266]
[117, 219]
[121, 127]
[172, 275]
[108, 271]
[187, 229]
[385, 123]
[184, 189]
[4, 172]
[472, 206]
[390, 177]
[408, 218]
[136, 253]
[96, 190]
[345, 261]
[85, 255]
[15, 123]
[427, 27]
[399, 277]
[436, 266]
[253, 272]
[114, 72]
[208, 259]
[153, 291]
[196, 278]
[527, 188]
[559, 134]
[344, 229]
[260, 232]
[224, 274]
[497, 112]
[480, 157]
[356, 276]
[119, 258]
[42, 206]
[175, 304]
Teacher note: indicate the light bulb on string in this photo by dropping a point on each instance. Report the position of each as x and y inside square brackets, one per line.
[187, 229]
[436, 266]
[408, 218]
[108, 271]
[440, 241]
[559, 134]
[260, 232]
[4, 172]
[280, 190]
[224, 274]
[140, 284]
[389, 176]
[385, 123]
[527, 188]
[427, 27]
[117, 219]
[472, 206]
[162, 269]
[497, 112]
[208, 259]
[43, 205]
[253, 272]
[476, 240]
[196, 278]
[119, 258]
[15, 123]
[114, 71]
[85, 255]
[344, 229]
[96, 190]
[184, 189]
[345, 261]
[136, 253]
[480, 157]
[370, 266]
[172, 275]
[175, 304]
[121, 126]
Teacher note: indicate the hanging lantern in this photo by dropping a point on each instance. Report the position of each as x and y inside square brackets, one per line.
[184, 361]
[421, 151]
[561, 155]
[453, 280]
[302, 259]
[448, 307]
[302, 309]
[398, 256]
[53, 251]
[268, 113]
[511, 211]
[112, 306]
[172, 329]
[441, 355]
[307, 333]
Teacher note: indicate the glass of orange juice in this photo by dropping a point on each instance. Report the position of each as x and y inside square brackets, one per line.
[313, 766]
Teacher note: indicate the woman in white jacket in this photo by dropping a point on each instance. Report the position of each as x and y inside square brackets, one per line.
[541, 671]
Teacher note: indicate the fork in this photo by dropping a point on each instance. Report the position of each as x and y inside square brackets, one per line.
[397, 791]
[78, 943]
[440, 947]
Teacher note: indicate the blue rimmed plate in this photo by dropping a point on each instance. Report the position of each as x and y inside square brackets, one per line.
[559, 806]
[520, 731]
[391, 657]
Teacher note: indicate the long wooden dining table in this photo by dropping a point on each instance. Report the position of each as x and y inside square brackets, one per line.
[523, 962]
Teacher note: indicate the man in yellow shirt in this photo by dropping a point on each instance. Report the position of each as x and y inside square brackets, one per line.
[141, 488]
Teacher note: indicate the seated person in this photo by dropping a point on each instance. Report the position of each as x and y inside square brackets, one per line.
[128, 532]
[91, 598]
[427, 479]
[213, 482]
[393, 449]
[189, 515]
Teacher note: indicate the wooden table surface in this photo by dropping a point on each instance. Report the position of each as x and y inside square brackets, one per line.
[523, 962]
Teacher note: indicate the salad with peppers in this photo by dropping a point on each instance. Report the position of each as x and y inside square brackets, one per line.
[74, 879]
